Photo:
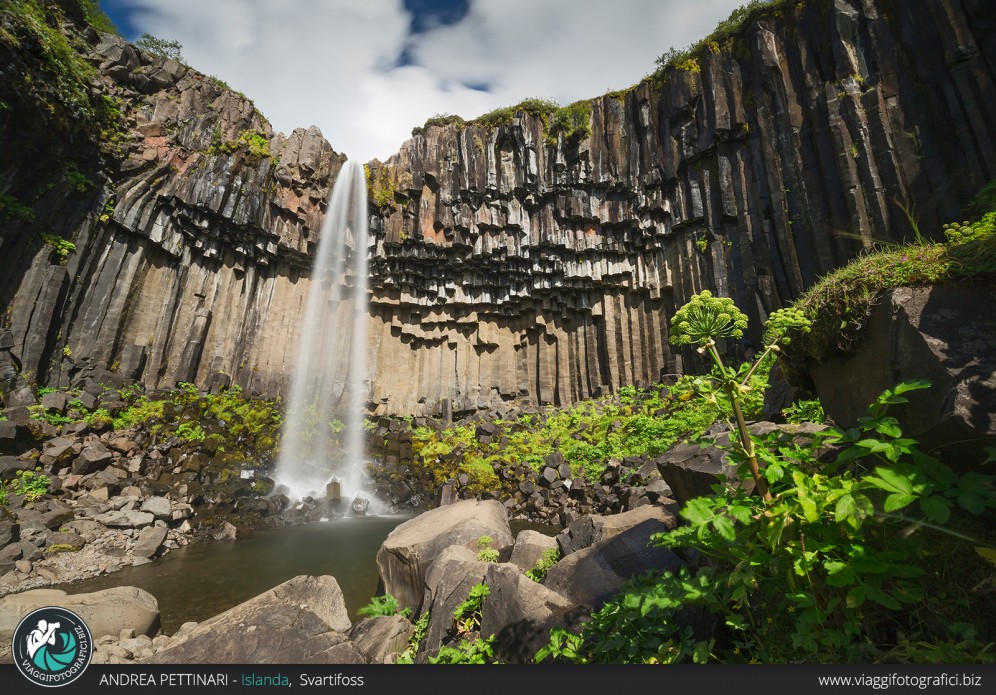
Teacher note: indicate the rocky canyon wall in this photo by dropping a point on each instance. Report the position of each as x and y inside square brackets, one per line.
[507, 267]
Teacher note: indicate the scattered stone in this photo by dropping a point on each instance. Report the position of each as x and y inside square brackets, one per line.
[149, 541]
[158, 506]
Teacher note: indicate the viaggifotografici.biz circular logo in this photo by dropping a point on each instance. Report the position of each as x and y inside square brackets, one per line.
[52, 646]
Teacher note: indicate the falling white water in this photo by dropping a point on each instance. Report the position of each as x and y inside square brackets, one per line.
[330, 375]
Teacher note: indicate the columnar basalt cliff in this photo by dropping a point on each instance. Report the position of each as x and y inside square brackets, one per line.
[508, 267]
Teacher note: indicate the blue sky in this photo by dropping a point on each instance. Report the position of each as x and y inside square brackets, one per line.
[367, 71]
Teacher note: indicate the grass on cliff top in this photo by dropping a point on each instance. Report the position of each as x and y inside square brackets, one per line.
[721, 38]
[840, 304]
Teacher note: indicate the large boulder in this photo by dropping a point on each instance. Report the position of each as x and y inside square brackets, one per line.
[592, 528]
[448, 582]
[410, 548]
[300, 621]
[519, 613]
[592, 575]
[941, 333]
[105, 612]
[380, 637]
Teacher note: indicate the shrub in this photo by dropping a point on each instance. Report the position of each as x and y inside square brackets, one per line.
[381, 606]
[165, 48]
[830, 569]
[31, 485]
[550, 558]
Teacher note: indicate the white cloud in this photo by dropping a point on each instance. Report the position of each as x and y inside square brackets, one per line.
[327, 62]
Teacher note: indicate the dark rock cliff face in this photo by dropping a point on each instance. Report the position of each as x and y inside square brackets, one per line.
[504, 267]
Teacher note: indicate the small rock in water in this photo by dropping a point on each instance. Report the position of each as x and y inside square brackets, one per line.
[360, 506]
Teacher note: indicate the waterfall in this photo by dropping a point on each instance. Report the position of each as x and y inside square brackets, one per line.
[329, 384]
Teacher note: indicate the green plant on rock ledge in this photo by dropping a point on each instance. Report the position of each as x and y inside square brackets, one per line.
[485, 553]
[385, 605]
[61, 247]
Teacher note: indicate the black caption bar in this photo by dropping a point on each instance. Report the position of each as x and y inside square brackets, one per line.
[511, 680]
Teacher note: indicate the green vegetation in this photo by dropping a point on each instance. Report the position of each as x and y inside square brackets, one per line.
[485, 553]
[805, 411]
[381, 192]
[573, 122]
[240, 427]
[96, 18]
[480, 651]
[421, 629]
[52, 91]
[827, 564]
[382, 606]
[62, 548]
[550, 558]
[10, 207]
[540, 108]
[165, 48]
[62, 247]
[705, 319]
[253, 142]
[438, 121]
[688, 59]
[467, 616]
[32, 485]
[633, 423]
[839, 304]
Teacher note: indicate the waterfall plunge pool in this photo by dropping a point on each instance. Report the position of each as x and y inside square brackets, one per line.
[200, 580]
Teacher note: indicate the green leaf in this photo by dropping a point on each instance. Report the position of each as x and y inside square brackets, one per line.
[724, 527]
[988, 553]
[907, 386]
[809, 509]
[856, 596]
[881, 598]
[936, 508]
[971, 500]
[889, 480]
[844, 508]
[898, 501]
[839, 574]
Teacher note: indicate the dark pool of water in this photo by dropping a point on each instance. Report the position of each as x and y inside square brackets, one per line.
[201, 580]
